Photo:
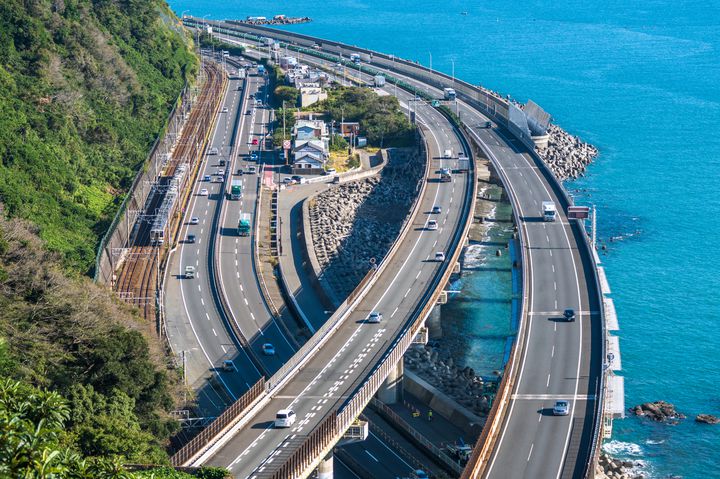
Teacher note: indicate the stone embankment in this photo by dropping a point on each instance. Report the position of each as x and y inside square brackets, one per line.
[460, 383]
[609, 468]
[567, 155]
[356, 222]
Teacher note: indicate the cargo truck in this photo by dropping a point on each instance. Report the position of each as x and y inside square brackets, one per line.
[236, 190]
[261, 70]
[449, 94]
[244, 225]
[355, 58]
[549, 211]
[379, 80]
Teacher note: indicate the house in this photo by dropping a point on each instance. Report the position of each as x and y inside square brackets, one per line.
[309, 154]
[348, 128]
[309, 130]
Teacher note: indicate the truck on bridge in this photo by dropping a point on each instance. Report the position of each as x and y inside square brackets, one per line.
[244, 225]
[236, 190]
[449, 94]
[445, 175]
[549, 211]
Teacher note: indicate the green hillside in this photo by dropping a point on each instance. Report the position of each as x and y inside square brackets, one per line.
[85, 87]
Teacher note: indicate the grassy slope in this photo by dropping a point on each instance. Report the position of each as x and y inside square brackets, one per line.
[85, 87]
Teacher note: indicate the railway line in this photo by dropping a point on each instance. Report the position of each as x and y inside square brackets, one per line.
[136, 281]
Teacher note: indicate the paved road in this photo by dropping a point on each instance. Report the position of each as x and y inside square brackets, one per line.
[195, 326]
[560, 360]
[238, 277]
[354, 349]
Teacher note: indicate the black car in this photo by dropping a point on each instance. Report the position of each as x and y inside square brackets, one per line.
[190, 238]
[569, 315]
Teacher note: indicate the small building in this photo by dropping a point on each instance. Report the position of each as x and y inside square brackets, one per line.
[311, 95]
[348, 128]
[305, 160]
[309, 130]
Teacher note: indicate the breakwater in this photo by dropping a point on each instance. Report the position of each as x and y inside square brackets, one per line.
[567, 155]
[276, 20]
[354, 224]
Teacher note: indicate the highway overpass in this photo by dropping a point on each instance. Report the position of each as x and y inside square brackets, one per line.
[551, 360]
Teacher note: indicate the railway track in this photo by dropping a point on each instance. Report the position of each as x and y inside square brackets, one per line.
[137, 279]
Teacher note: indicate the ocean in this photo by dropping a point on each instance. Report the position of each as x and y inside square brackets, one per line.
[641, 81]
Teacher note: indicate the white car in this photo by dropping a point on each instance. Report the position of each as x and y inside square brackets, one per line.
[204, 192]
[285, 418]
[194, 220]
[213, 151]
[440, 256]
[268, 349]
[375, 317]
[432, 225]
[224, 110]
[561, 408]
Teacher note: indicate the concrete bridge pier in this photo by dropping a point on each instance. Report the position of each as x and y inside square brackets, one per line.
[391, 391]
[433, 323]
[325, 469]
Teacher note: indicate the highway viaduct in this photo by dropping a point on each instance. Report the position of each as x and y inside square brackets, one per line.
[551, 360]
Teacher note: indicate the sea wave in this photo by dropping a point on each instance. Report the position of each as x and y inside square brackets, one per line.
[622, 449]
[474, 256]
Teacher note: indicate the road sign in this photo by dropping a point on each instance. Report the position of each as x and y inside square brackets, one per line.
[578, 212]
[286, 144]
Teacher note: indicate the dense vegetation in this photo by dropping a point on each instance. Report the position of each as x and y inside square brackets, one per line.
[34, 441]
[380, 117]
[85, 88]
[72, 336]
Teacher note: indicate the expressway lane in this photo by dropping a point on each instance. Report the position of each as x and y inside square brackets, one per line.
[238, 278]
[320, 385]
[194, 324]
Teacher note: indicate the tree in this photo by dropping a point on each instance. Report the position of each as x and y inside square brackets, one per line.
[287, 94]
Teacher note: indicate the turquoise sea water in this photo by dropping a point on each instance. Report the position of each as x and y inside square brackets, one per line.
[641, 80]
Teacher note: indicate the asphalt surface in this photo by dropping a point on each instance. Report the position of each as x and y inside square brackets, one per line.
[559, 360]
[350, 355]
[195, 327]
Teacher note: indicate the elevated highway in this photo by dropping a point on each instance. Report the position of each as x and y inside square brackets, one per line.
[551, 360]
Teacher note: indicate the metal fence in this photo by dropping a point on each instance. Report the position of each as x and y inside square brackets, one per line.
[119, 233]
[227, 419]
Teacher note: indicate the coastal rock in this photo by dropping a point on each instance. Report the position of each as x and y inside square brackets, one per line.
[566, 155]
[707, 419]
[610, 468]
[660, 411]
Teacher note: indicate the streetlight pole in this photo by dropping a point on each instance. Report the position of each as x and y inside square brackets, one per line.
[453, 71]
[430, 60]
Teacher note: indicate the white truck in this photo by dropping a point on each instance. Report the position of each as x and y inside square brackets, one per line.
[449, 94]
[549, 211]
[355, 57]
[379, 80]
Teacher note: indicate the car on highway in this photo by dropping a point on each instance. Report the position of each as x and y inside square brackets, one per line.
[561, 408]
[436, 210]
[268, 349]
[224, 110]
[432, 225]
[374, 317]
[240, 171]
[204, 192]
[569, 314]
[228, 365]
[253, 157]
[252, 170]
[213, 151]
[285, 418]
[206, 178]
[194, 220]
[189, 272]
[249, 112]
[190, 238]
[440, 256]
[288, 181]
[488, 124]
[298, 179]
[254, 141]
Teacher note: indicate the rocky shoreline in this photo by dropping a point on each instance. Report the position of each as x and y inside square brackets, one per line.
[460, 383]
[357, 222]
[610, 468]
[566, 155]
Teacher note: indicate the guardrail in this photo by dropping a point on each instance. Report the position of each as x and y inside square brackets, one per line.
[230, 416]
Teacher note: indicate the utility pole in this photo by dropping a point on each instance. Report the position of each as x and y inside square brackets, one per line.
[594, 226]
[430, 60]
[453, 72]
